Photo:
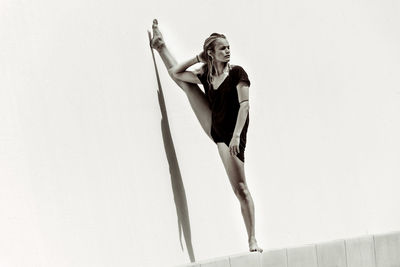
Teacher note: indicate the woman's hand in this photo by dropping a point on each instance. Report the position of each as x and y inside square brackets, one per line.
[234, 145]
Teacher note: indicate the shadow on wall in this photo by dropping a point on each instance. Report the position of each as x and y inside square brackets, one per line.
[178, 188]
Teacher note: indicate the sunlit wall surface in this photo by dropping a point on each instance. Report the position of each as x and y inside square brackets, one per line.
[85, 178]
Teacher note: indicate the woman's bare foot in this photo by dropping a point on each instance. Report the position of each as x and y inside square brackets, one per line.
[157, 42]
[253, 247]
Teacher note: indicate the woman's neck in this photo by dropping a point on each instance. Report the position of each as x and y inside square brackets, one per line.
[220, 67]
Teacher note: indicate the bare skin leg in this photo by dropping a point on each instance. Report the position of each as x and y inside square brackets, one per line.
[195, 95]
[235, 169]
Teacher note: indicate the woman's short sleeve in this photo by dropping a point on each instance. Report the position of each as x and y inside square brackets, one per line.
[242, 76]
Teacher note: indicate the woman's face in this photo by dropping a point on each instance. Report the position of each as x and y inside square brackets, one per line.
[222, 50]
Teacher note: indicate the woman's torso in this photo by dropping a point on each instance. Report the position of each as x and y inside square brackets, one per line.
[223, 99]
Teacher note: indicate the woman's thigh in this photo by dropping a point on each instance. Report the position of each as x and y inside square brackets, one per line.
[234, 167]
[200, 105]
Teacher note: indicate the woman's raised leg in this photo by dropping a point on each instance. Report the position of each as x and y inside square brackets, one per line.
[235, 170]
[195, 95]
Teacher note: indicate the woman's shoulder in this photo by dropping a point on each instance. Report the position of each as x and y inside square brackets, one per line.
[236, 67]
[201, 74]
[200, 71]
[237, 70]
[239, 74]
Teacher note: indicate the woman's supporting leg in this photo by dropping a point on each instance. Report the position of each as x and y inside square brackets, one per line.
[235, 170]
[195, 95]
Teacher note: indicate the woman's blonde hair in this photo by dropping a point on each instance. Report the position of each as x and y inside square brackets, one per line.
[209, 44]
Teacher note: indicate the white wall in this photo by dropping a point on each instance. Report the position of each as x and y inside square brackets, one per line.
[84, 178]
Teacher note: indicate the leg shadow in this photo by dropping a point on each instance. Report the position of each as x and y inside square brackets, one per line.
[178, 188]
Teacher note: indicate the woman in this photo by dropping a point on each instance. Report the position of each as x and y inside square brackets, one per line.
[222, 109]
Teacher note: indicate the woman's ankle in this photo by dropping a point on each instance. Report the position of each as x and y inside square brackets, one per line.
[252, 239]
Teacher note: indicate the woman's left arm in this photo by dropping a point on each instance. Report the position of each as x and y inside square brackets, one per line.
[243, 95]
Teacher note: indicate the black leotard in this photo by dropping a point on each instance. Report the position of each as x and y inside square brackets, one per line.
[225, 105]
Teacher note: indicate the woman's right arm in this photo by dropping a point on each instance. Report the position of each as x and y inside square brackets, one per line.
[179, 71]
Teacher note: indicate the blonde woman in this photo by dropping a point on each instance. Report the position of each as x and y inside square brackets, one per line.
[222, 109]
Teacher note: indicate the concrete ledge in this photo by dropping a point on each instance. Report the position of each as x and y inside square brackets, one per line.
[274, 258]
[369, 251]
[360, 252]
[387, 250]
[305, 256]
[332, 254]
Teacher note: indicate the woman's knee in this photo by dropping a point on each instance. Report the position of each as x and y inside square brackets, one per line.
[242, 191]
